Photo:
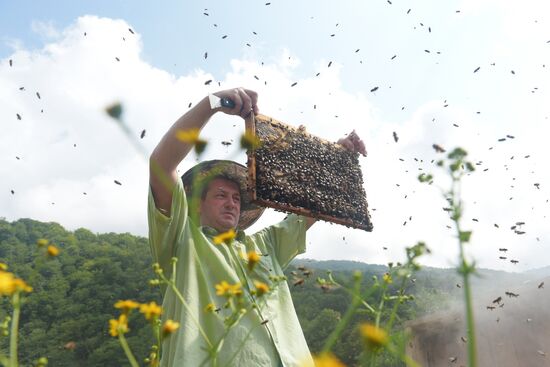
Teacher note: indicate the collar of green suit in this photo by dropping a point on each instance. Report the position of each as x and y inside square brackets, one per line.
[212, 232]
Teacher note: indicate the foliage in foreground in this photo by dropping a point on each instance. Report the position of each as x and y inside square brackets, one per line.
[65, 317]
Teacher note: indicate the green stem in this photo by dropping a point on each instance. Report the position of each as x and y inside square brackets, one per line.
[240, 346]
[472, 354]
[175, 289]
[394, 310]
[127, 350]
[465, 270]
[405, 358]
[356, 301]
[16, 301]
[380, 307]
[352, 294]
[195, 321]
[156, 330]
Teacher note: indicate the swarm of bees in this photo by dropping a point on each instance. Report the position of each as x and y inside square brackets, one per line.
[298, 172]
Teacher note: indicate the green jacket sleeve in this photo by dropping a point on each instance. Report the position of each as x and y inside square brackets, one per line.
[165, 232]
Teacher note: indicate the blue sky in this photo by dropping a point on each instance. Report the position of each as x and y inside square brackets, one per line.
[428, 93]
[176, 35]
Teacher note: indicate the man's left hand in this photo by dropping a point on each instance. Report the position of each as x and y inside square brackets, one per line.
[354, 143]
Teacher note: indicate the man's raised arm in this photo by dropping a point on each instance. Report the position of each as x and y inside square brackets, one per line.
[170, 151]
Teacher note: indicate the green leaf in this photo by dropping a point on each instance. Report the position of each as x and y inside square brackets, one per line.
[464, 236]
[457, 154]
[423, 177]
[114, 110]
[200, 145]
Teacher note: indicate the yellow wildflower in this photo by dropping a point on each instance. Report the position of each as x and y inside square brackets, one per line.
[188, 136]
[373, 335]
[387, 278]
[127, 305]
[228, 290]
[325, 360]
[253, 259]
[210, 307]
[119, 326]
[169, 327]
[3, 266]
[191, 136]
[20, 285]
[42, 242]
[52, 250]
[9, 284]
[261, 288]
[250, 141]
[150, 310]
[226, 237]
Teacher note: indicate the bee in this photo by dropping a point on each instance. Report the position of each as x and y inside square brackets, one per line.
[299, 281]
[438, 148]
[497, 300]
[117, 182]
[491, 308]
[511, 294]
[453, 359]
[464, 339]
[307, 273]
[503, 249]
[70, 345]
[264, 322]
[541, 285]
[514, 261]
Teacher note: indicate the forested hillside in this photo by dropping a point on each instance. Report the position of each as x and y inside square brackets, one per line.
[65, 317]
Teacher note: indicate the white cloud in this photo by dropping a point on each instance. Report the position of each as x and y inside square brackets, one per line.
[47, 30]
[78, 75]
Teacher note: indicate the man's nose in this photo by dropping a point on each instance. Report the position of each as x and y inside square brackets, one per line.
[231, 203]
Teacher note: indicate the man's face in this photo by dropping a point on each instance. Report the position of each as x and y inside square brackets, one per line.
[221, 207]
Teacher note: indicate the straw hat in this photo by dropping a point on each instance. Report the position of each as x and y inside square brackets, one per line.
[204, 172]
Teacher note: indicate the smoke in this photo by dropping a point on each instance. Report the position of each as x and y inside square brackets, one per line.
[512, 327]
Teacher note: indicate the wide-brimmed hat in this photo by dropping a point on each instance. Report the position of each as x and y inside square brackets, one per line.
[200, 175]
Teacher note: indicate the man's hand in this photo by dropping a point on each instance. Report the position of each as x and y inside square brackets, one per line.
[245, 102]
[354, 143]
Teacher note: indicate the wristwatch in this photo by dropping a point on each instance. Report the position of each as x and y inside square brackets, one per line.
[217, 102]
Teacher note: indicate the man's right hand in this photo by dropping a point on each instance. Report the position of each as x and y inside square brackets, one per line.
[170, 151]
[245, 101]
